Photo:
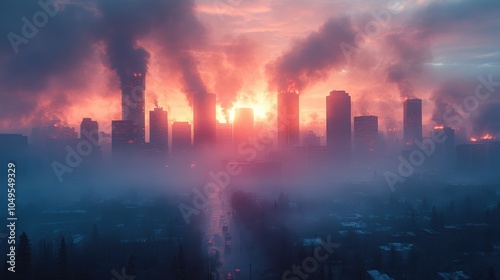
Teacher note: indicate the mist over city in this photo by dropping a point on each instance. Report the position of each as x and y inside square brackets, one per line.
[250, 139]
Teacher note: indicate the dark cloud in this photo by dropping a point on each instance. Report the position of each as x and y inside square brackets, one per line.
[409, 52]
[36, 77]
[457, 104]
[487, 120]
[447, 97]
[309, 59]
[52, 55]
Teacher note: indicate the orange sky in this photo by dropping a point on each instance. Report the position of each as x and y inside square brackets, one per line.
[245, 36]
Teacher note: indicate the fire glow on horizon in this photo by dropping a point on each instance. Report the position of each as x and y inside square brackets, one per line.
[487, 136]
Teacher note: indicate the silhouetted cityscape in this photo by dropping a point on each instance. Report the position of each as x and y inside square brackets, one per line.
[250, 139]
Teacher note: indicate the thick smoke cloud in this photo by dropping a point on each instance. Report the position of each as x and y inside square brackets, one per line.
[456, 104]
[486, 122]
[410, 53]
[447, 97]
[309, 60]
[55, 60]
[461, 18]
[234, 63]
[172, 24]
[51, 56]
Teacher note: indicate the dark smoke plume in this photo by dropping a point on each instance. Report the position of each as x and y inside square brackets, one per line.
[309, 59]
[58, 58]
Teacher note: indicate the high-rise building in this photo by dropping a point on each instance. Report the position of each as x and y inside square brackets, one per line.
[472, 156]
[40, 136]
[181, 138]
[365, 136]
[53, 139]
[412, 121]
[311, 139]
[89, 130]
[338, 125]
[133, 103]
[123, 137]
[445, 152]
[158, 131]
[243, 126]
[204, 120]
[224, 135]
[288, 119]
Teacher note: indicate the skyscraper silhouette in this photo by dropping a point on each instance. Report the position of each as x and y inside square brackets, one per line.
[181, 138]
[288, 119]
[365, 136]
[123, 137]
[338, 125]
[89, 130]
[158, 131]
[133, 103]
[412, 121]
[204, 115]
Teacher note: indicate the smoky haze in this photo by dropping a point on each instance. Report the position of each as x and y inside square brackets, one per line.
[310, 59]
[82, 35]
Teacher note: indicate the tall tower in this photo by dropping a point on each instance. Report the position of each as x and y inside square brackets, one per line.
[288, 119]
[123, 137]
[89, 130]
[365, 136]
[412, 121]
[133, 103]
[243, 127]
[181, 138]
[338, 125]
[158, 130]
[204, 120]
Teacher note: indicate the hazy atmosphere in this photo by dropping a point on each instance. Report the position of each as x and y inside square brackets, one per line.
[250, 139]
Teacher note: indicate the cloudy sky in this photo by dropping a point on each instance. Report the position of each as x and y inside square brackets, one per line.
[246, 51]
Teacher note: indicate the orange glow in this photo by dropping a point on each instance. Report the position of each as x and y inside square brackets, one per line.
[488, 137]
[259, 110]
[439, 127]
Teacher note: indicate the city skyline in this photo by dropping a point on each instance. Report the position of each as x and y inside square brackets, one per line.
[254, 81]
[250, 139]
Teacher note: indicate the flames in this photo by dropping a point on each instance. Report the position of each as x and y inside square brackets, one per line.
[439, 127]
[487, 136]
